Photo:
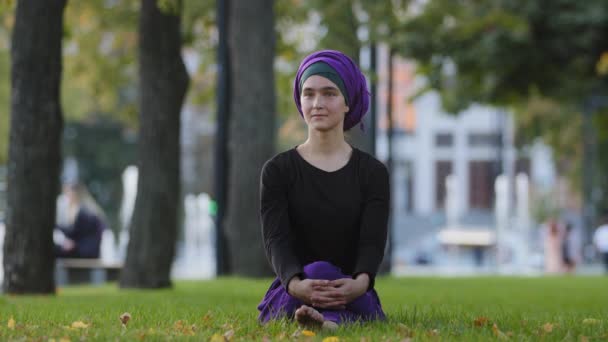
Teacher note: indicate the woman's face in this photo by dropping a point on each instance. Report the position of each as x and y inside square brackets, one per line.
[323, 104]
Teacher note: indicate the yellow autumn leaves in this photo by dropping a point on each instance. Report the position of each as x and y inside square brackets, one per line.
[310, 333]
[11, 324]
[182, 328]
[602, 65]
[546, 328]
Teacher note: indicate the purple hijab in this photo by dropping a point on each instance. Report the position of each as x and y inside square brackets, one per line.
[354, 81]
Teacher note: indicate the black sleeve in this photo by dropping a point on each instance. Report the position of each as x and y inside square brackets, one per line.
[374, 222]
[276, 230]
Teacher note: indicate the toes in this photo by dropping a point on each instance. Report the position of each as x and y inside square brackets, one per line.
[329, 325]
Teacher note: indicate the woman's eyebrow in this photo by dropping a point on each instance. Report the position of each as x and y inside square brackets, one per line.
[322, 88]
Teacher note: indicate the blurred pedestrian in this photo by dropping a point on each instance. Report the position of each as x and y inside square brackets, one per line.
[570, 248]
[553, 239]
[600, 240]
[324, 205]
[82, 224]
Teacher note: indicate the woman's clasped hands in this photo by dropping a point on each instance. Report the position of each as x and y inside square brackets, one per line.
[329, 294]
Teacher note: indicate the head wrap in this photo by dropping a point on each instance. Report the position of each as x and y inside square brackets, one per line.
[323, 69]
[356, 94]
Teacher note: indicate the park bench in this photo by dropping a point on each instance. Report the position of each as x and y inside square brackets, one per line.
[78, 271]
[477, 240]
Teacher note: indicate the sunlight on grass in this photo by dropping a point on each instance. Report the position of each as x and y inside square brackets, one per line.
[486, 308]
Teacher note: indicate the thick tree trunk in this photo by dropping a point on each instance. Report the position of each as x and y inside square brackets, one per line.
[251, 41]
[34, 151]
[342, 26]
[163, 85]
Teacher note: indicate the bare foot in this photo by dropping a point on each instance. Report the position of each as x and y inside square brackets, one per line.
[309, 317]
[329, 325]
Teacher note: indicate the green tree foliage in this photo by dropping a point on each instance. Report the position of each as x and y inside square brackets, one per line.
[99, 60]
[539, 58]
[6, 23]
[501, 51]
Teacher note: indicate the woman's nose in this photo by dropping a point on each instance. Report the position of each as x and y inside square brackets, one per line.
[317, 102]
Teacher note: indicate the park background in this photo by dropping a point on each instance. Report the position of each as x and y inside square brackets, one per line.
[492, 117]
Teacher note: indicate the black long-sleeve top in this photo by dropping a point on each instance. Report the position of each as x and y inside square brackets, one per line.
[86, 232]
[309, 214]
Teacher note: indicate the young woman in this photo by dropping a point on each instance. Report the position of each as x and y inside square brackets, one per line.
[82, 226]
[324, 205]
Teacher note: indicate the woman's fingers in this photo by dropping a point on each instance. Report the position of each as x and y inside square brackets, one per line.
[337, 282]
[328, 300]
[328, 292]
[336, 305]
[319, 282]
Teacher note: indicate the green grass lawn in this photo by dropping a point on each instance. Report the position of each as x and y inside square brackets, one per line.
[441, 309]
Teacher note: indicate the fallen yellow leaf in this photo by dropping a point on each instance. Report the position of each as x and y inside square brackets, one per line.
[499, 333]
[216, 338]
[79, 325]
[308, 333]
[11, 323]
[433, 332]
[480, 321]
[584, 338]
[228, 335]
[331, 339]
[548, 327]
[124, 318]
[64, 339]
[184, 328]
[405, 330]
[591, 321]
[602, 64]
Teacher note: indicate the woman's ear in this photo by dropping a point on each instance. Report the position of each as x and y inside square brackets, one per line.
[347, 110]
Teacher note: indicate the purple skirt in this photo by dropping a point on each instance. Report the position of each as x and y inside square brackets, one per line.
[277, 303]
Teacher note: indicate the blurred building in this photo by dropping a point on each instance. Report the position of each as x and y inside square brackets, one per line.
[475, 145]
[429, 144]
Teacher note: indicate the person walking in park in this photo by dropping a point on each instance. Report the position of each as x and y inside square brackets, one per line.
[553, 237]
[325, 205]
[600, 240]
[82, 225]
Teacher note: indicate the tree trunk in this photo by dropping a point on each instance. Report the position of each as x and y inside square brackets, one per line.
[34, 151]
[387, 262]
[163, 83]
[342, 26]
[220, 175]
[251, 42]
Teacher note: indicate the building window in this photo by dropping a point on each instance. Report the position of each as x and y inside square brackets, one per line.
[522, 165]
[482, 175]
[443, 168]
[485, 139]
[444, 139]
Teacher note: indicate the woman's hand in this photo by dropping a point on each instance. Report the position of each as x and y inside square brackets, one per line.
[347, 290]
[68, 245]
[305, 290]
[333, 294]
